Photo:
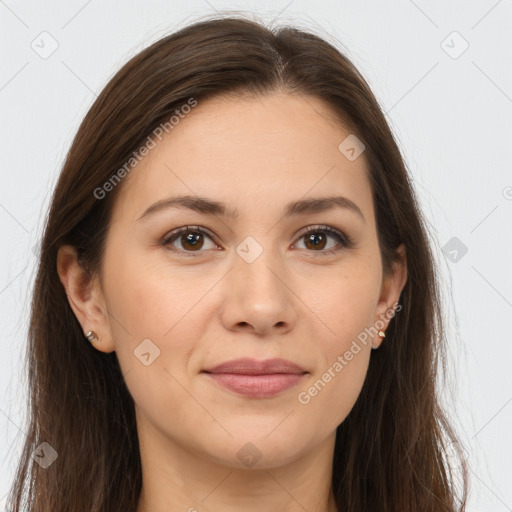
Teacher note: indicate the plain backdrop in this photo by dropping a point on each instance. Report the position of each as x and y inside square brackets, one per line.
[442, 73]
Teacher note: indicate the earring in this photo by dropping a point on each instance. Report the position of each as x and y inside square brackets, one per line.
[91, 336]
[382, 334]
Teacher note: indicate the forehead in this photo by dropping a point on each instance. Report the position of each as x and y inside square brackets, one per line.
[251, 153]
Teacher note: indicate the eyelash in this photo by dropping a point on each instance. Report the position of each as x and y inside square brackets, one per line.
[344, 241]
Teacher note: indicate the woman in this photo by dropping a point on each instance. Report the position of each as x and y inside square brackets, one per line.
[236, 306]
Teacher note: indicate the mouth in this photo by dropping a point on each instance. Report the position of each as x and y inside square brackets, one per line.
[257, 379]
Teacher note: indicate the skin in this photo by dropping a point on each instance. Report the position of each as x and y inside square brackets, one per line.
[294, 301]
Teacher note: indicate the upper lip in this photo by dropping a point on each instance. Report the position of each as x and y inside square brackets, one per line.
[247, 366]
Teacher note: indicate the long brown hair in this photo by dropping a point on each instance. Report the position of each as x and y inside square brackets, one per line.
[390, 452]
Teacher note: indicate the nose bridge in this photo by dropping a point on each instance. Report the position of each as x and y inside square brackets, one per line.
[258, 293]
[256, 266]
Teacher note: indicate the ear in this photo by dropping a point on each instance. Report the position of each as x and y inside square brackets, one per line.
[85, 297]
[392, 286]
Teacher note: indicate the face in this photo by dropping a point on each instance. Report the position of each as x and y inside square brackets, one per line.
[262, 280]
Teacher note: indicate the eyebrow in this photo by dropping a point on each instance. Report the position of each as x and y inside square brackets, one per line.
[206, 206]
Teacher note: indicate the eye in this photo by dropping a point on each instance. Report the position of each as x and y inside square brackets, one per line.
[191, 239]
[316, 239]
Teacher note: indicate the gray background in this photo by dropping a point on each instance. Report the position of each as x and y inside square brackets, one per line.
[449, 106]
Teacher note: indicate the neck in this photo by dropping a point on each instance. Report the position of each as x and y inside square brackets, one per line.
[176, 479]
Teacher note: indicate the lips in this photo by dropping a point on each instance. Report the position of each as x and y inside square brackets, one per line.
[246, 366]
[257, 379]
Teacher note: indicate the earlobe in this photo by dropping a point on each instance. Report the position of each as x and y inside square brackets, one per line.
[85, 297]
[380, 339]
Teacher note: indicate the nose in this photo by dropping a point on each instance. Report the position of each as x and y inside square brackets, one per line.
[258, 298]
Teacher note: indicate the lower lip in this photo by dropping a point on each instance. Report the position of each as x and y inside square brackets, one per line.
[257, 386]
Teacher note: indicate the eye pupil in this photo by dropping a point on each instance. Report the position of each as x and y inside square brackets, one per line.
[314, 239]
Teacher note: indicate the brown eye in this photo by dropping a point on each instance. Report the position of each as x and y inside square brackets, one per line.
[316, 239]
[191, 239]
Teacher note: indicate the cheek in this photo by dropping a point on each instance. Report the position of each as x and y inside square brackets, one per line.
[334, 388]
[344, 301]
[151, 299]
[345, 305]
[155, 325]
